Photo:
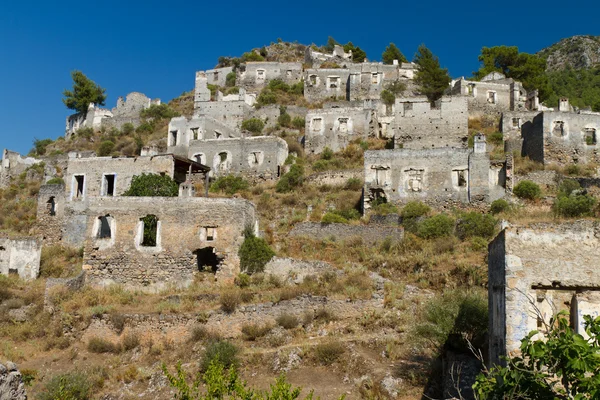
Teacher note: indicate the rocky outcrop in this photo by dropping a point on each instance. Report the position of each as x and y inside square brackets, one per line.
[575, 52]
[11, 383]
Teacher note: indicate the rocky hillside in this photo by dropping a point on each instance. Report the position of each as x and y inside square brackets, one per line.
[577, 52]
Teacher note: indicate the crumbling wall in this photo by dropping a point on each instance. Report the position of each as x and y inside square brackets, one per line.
[337, 127]
[419, 126]
[255, 75]
[20, 256]
[182, 131]
[258, 156]
[536, 271]
[218, 76]
[50, 213]
[369, 234]
[13, 165]
[326, 83]
[514, 125]
[191, 233]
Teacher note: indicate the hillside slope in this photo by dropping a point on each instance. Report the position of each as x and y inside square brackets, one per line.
[576, 52]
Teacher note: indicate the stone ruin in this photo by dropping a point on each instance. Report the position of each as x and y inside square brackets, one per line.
[11, 383]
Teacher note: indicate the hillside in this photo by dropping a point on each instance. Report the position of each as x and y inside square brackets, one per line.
[576, 52]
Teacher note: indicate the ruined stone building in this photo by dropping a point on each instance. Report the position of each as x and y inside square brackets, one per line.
[20, 257]
[143, 242]
[536, 271]
[418, 125]
[254, 76]
[495, 93]
[127, 111]
[316, 58]
[354, 82]
[554, 137]
[14, 164]
[439, 176]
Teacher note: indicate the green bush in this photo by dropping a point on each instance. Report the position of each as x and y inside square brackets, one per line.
[127, 128]
[229, 184]
[298, 122]
[475, 224]
[571, 201]
[252, 56]
[39, 146]
[331, 217]
[568, 186]
[434, 227]
[285, 120]
[223, 351]
[152, 185]
[56, 181]
[230, 300]
[329, 352]
[230, 79]
[266, 97]
[287, 321]
[254, 253]
[353, 184]
[290, 180]
[453, 318]
[527, 190]
[388, 97]
[254, 125]
[253, 331]
[159, 111]
[105, 148]
[130, 341]
[496, 138]
[242, 280]
[72, 386]
[327, 154]
[499, 206]
[384, 209]
[414, 209]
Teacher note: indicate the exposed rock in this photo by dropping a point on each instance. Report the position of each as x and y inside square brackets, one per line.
[21, 314]
[11, 383]
[391, 386]
[575, 52]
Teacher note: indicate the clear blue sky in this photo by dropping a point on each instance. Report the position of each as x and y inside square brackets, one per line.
[155, 47]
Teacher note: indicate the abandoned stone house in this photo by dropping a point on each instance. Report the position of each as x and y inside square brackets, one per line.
[20, 257]
[536, 271]
[143, 242]
[354, 82]
[316, 58]
[14, 164]
[554, 137]
[127, 111]
[438, 176]
[218, 76]
[418, 125]
[258, 157]
[254, 76]
[495, 93]
[336, 127]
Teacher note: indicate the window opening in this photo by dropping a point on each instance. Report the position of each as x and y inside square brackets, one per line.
[491, 97]
[207, 259]
[461, 178]
[173, 138]
[51, 206]
[415, 179]
[343, 124]
[195, 133]
[312, 79]
[79, 180]
[104, 228]
[317, 124]
[150, 227]
[559, 128]
[109, 185]
[516, 122]
[590, 136]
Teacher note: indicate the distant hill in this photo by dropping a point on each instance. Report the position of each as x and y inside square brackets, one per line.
[578, 52]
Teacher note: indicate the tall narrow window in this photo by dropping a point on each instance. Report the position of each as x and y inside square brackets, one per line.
[51, 206]
[79, 181]
[194, 133]
[109, 185]
[150, 230]
[104, 227]
[173, 138]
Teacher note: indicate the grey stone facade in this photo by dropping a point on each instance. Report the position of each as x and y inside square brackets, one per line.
[442, 176]
[12, 165]
[417, 125]
[21, 257]
[536, 271]
[253, 76]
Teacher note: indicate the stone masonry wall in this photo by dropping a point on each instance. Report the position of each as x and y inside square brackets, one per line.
[337, 127]
[257, 74]
[568, 145]
[20, 256]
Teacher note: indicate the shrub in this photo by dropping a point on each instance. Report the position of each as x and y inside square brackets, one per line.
[298, 122]
[496, 138]
[229, 184]
[327, 154]
[331, 217]
[527, 190]
[254, 253]
[353, 184]
[39, 146]
[127, 128]
[287, 321]
[118, 322]
[499, 206]
[229, 300]
[254, 125]
[72, 386]
[329, 352]
[230, 79]
[414, 209]
[290, 180]
[385, 209]
[105, 148]
[252, 56]
[574, 205]
[201, 332]
[568, 186]
[130, 341]
[56, 181]
[254, 331]
[242, 280]
[221, 350]
[437, 226]
[159, 111]
[475, 224]
[266, 97]
[152, 185]
[284, 120]
[99, 345]
[387, 97]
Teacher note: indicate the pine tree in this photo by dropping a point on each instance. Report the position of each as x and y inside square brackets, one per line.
[84, 92]
[432, 79]
[392, 53]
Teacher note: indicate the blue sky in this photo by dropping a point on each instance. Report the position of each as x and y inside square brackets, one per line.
[155, 47]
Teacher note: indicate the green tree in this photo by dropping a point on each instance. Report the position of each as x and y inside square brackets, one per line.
[564, 365]
[147, 185]
[254, 253]
[358, 54]
[392, 53]
[84, 92]
[330, 44]
[431, 78]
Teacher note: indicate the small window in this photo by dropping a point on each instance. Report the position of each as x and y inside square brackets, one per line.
[194, 133]
[491, 97]
[255, 158]
[461, 178]
[516, 123]
[317, 124]
[260, 74]
[408, 106]
[104, 227]
[210, 234]
[216, 76]
[200, 158]
[109, 185]
[343, 125]
[312, 79]
[559, 128]
[173, 138]
[51, 206]
[150, 230]
[79, 182]
[375, 79]
[288, 73]
[334, 82]
[414, 179]
[590, 136]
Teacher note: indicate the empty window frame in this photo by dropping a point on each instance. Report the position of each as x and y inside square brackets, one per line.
[460, 177]
[260, 74]
[414, 179]
[343, 125]
[312, 79]
[334, 82]
[516, 123]
[51, 206]
[194, 133]
[590, 136]
[491, 97]
[174, 138]
[558, 128]
[149, 230]
[317, 124]
[104, 230]
[215, 76]
[108, 184]
[208, 234]
[79, 186]
[375, 78]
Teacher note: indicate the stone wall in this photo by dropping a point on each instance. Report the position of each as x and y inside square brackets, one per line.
[182, 130]
[258, 156]
[50, 213]
[218, 76]
[548, 267]
[191, 233]
[334, 178]
[419, 126]
[438, 176]
[13, 165]
[326, 83]
[370, 234]
[337, 127]
[255, 75]
[20, 256]
[491, 96]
